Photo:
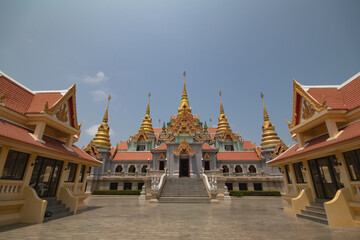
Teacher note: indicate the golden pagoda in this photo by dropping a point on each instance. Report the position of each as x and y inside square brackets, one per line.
[269, 137]
[102, 138]
[146, 125]
[223, 125]
[184, 103]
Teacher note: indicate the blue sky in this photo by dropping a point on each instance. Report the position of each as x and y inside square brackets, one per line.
[128, 48]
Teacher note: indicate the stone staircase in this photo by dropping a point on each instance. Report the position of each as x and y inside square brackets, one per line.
[57, 209]
[184, 190]
[315, 212]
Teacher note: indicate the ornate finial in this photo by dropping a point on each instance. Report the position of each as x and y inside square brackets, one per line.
[106, 118]
[266, 116]
[221, 105]
[159, 122]
[148, 106]
[184, 103]
[210, 122]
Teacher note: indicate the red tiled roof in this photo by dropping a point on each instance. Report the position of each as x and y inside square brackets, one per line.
[205, 146]
[162, 147]
[248, 145]
[237, 156]
[333, 97]
[17, 98]
[349, 132]
[212, 130]
[123, 146]
[345, 97]
[157, 130]
[130, 156]
[351, 93]
[15, 132]
[40, 99]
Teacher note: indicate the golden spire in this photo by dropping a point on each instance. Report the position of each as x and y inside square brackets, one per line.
[269, 137]
[223, 124]
[184, 103]
[146, 125]
[266, 116]
[102, 137]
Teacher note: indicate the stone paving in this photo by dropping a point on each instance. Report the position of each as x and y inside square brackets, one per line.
[123, 217]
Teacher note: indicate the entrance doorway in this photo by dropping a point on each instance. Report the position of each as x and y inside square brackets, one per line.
[45, 176]
[326, 182]
[184, 167]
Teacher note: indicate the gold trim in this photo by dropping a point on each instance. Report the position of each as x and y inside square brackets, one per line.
[3, 96]
[184, 148]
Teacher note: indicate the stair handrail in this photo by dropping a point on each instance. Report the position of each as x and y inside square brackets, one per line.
[155, 183]
[212, 184]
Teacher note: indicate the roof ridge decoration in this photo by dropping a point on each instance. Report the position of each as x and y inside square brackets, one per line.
[309, 108]
[66, 104]
[184, 148]
[92, 150]
[184, 103]
[223, 123]
[102, 137]
[3, 96]
[279, 149]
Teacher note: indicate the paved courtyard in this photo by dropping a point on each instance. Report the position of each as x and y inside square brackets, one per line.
[123, 217]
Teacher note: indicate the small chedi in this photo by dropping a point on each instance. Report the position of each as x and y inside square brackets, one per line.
[185, 148]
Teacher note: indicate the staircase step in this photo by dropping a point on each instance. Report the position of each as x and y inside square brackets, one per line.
[184, 200]
[314, 213]
[316, 209]
[313, 218]
[184, 190]
[57, 209]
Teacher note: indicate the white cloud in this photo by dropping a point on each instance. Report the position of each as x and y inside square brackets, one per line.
[91, 131]
[98, 95]
[100, 77]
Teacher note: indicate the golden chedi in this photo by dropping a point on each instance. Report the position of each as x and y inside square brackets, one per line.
[102, 138]
[223, 123]
[269, 137]
[146, 125]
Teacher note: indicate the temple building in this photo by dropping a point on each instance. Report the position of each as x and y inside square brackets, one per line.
[40, 167]
[322, 170]
[183, 148]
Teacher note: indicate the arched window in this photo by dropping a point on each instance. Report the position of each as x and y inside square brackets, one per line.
[143, 169]
[118, 168]
[238, 169]
[225, 168]
[252, 169]
[132, 169]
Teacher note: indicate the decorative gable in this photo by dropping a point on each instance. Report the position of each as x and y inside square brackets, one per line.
[184, 124]
[206, 156]
[162, 156]
[65, 108]
[227, 135]
[184, 148]
[304, 105]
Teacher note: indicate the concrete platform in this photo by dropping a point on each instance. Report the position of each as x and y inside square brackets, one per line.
[123, 217]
